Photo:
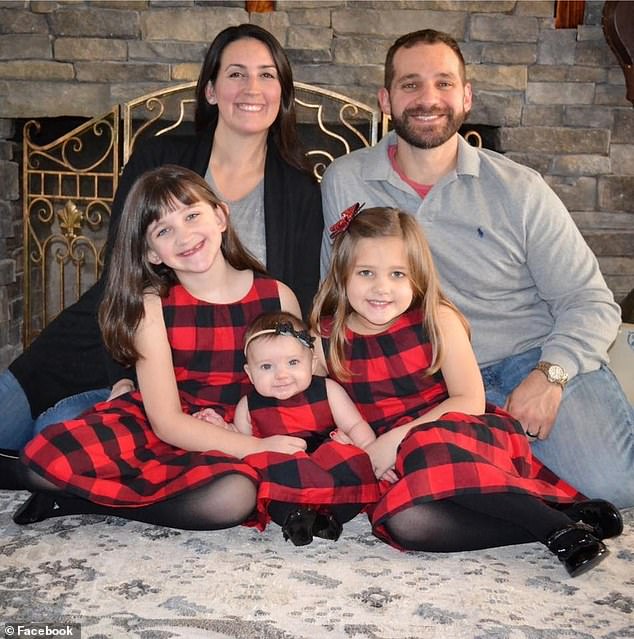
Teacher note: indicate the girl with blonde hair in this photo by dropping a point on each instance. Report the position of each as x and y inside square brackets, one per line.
[465, 476]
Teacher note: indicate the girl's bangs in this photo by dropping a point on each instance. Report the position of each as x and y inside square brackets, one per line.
[171, 195]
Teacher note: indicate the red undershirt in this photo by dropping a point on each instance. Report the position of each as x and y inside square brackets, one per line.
[421, 189]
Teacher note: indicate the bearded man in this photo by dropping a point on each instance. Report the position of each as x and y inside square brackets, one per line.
[509, 256]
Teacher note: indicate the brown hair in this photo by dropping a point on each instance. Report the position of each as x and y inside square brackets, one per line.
[425, 36]
[331, 299]
[130, 273]
[284, 129]
[270, 321]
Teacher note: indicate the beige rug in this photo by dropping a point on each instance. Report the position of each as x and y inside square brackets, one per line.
[125, 579]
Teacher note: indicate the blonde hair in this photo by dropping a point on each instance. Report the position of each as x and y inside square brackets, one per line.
[331, 299]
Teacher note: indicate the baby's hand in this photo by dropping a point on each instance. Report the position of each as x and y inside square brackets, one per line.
[389, 476]
[210, 416]
[340, 437]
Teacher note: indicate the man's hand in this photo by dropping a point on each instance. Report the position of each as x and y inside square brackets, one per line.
[535, 403]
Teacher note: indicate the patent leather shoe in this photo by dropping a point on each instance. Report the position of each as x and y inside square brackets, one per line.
[603, 516]
[38, 507]
[326, 526]
[298, 526]
[9, 470]
[577, 548]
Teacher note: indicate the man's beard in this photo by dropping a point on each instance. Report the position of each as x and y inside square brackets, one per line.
[429, 137]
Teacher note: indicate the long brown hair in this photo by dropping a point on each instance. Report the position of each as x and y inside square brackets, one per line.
[284, 129]
[332, 301]
[131, 274]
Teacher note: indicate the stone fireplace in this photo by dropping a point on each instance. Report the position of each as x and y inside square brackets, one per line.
[550, 98]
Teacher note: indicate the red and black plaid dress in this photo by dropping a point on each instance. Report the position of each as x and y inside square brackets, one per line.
[327, 473]
[111, 455]
[456, 454]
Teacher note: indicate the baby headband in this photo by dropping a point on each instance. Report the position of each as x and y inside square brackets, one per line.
[342, 224]
[285, 329]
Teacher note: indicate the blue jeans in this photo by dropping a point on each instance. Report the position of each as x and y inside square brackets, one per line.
[70, 407]
[592, 443]
[17, 425]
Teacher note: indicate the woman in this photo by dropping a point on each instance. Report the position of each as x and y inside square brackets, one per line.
[246, 146]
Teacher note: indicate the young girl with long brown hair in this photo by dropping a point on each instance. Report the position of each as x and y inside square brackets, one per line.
[180, 293]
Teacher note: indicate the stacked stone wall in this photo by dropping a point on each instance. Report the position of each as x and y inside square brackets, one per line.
[10, 247]
[558, 95]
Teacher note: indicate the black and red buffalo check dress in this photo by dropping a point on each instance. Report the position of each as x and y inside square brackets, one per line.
[111, 455]
[327, 473]
[456, 454]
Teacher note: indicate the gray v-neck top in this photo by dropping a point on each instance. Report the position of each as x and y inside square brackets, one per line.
[247, 217]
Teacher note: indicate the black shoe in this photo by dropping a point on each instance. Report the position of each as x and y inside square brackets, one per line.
[577, 548]
[603, 516]
[326, 526]
[38, 507]
[298, 526]
[9, 470]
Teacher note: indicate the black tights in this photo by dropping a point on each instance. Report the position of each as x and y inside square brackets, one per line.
[472, 522]
[223, 503]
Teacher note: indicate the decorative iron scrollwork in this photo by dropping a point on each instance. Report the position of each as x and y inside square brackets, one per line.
[70, 219]
[68, 188]
[69, 184]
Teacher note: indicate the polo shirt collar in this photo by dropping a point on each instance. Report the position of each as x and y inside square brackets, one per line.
[377, 166]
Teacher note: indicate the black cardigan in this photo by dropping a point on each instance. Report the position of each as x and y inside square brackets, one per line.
[68, 357]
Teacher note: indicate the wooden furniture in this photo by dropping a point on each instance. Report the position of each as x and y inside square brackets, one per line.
[618, 28]
[622, 358]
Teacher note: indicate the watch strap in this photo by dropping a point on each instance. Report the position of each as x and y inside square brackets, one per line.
[546, 368]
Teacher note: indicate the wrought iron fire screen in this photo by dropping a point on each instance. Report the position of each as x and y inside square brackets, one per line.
[69, 184]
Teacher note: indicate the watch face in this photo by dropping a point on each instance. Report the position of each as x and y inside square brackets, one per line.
[556, 374]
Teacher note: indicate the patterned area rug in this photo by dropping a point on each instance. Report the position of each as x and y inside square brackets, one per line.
[125, 579]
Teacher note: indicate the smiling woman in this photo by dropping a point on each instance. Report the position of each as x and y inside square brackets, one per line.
[246, 90]
[247, 149]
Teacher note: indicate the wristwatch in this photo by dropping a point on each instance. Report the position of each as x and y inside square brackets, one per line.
[555, 374]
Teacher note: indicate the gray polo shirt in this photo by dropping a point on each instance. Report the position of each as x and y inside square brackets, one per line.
[508, 253]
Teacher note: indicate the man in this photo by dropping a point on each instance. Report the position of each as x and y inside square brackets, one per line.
[512, 259]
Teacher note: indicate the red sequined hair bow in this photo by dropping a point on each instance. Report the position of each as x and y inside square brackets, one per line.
[342, 224]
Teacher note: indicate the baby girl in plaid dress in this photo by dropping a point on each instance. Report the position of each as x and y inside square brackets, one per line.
[312, 492]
